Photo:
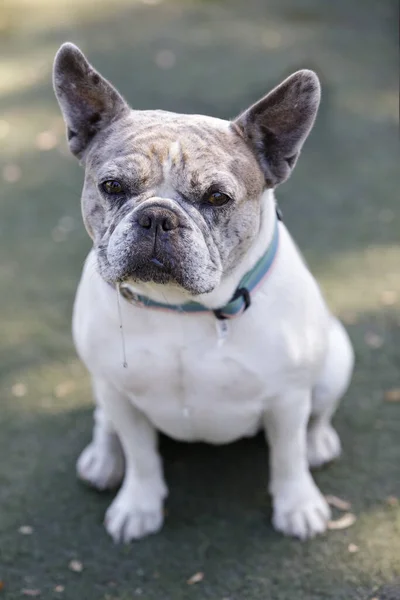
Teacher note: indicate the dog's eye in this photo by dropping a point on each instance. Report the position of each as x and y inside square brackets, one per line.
[112, 187]
[217, 199]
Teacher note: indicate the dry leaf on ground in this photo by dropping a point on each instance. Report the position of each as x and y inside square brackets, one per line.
[347, 520]
[392, 395]
[1, 585]
[76, 566]
[338, 502]
[25, 530]
[352, 548]
[59, 588]
[28, 592]
[196, 578]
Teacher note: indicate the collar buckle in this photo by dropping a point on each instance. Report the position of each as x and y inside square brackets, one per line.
[245, 294]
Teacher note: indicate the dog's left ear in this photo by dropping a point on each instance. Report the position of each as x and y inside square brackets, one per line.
[87, 100]
[277, 126]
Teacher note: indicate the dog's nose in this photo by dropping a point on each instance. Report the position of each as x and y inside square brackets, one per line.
[158, 217]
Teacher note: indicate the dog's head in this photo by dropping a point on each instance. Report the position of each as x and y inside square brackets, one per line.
[175, 198]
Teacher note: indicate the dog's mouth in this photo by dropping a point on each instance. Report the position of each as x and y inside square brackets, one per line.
[155, 268]
[154, 271]
[159, 271]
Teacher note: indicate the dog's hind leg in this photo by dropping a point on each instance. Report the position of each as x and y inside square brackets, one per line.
[101, 463]
[323, 444]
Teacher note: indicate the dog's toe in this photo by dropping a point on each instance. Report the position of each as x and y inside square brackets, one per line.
[302, 515]
[126, 521]
[304, 522]
[323, 445]
[101, 467]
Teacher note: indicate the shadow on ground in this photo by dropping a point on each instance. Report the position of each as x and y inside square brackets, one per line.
[341, 206]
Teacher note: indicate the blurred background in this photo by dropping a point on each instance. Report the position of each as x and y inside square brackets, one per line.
[342, 207]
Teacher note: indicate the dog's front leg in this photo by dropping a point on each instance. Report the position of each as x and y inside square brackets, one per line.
[137, 509]
[101, 463]
[299, 509]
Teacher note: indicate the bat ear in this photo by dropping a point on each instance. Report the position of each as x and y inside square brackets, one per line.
[277, 126]
[88, 102]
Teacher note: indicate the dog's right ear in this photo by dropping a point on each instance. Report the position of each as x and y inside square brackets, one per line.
[87, 100]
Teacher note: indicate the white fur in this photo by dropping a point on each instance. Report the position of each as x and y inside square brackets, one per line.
[283, 359]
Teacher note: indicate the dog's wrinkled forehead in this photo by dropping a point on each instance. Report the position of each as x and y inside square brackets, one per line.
[159, 148]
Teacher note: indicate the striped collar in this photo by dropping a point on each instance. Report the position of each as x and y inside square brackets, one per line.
[240, 300]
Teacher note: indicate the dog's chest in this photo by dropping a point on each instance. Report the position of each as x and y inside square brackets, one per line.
[189, 386]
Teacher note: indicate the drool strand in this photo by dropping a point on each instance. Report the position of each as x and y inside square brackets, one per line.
[124, 363]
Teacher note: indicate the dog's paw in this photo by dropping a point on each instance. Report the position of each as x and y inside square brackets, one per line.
[300, 510]
[133, 515]
[101, 466]
[323, 445]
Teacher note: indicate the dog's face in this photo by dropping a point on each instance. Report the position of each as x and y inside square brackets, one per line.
[175, 198]
[171, 199]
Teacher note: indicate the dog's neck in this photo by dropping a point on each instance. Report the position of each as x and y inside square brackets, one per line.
[171, 294]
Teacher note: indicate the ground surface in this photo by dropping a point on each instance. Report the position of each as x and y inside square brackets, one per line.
[342, 207]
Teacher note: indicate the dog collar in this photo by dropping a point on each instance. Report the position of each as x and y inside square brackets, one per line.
[241, 299]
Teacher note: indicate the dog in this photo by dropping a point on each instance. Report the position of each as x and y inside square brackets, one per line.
[196, 315]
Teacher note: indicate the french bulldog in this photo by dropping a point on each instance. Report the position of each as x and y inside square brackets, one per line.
[196, 315]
